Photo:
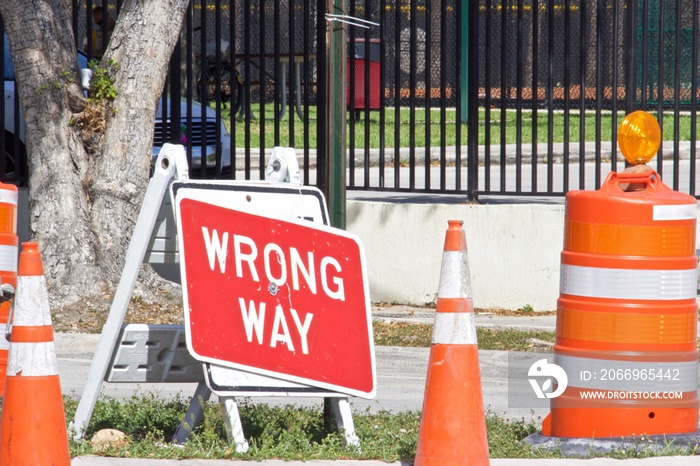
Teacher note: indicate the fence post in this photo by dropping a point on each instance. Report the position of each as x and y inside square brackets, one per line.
[473, 98]
[337, 118]
[631, 57]
[464, 60]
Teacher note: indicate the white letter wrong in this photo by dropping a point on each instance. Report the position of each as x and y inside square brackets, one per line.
[216, 249]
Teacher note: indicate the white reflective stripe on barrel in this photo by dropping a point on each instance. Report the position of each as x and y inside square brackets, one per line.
[454, 328]
[9, 197]
[454, 276]
[636, 376]
[8, 258]
[598, 282]
[675, 212]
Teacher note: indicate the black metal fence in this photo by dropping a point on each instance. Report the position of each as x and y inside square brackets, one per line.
[508, 97]
[553, 80]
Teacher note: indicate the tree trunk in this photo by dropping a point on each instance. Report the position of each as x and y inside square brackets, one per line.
[85, 189]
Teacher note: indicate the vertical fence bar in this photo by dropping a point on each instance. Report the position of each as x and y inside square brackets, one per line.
[615, 84]
[677, 98]
[583, 42]
[630, 52]
[203, 81]
[322, 97]
[277, 74]
[535, 90]
[3, 162]
[413, 56]
[247, 104]
[660, 85]
[262, 121]
[472, 99]
[645, 85]
[519, 97]
[191, 80]
[398, 85]
[367, 88]
[693, 102]
[428, 86]
[352, 91]
[600, 87]
[234, 95]
[382, 94]
[219, 90]
[306, 121]
[567, 95]
[292, 79]
[504, 92]
[443, 96]
[175, 117]
[550, 94]
[488, 86]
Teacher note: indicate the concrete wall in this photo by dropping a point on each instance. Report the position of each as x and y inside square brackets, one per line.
[513, 251]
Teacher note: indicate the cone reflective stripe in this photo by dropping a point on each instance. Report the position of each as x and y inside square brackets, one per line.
[33, 422]
[8, 263]
[453, 425]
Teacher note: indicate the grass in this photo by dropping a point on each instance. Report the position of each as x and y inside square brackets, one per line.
[426, 126]
[420, 335]
[284, 432]
[296, 433]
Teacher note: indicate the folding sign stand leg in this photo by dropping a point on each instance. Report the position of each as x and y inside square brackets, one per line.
[343, 418]
[166, 165]
[232, 421]
[194, 414]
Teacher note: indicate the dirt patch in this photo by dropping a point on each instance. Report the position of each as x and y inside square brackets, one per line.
[89, 314]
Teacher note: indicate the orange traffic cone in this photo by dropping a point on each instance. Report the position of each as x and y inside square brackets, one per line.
[453, 424]
[8, 264]
[33, 424]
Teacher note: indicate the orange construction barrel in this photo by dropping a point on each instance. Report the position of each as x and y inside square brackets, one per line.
[8, 263]
[627, 312]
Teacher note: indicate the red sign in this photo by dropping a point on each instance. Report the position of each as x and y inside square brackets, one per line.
[276, 297]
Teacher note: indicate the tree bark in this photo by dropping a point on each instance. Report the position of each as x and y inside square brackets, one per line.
[85, 194]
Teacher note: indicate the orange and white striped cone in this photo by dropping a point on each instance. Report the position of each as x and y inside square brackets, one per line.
[33, 424]
[453, 424]
[8, 264]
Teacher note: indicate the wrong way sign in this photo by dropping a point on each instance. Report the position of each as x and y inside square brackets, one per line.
[280, 297]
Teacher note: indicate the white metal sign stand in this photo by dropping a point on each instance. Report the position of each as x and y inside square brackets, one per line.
[226, 383]
[172, 161]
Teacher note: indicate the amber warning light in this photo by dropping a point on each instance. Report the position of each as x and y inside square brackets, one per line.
[639, 137]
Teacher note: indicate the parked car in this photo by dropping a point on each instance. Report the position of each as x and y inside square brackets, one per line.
[201, 125]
